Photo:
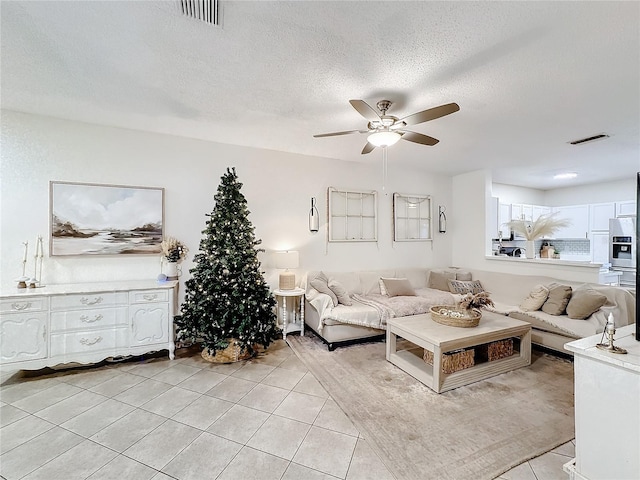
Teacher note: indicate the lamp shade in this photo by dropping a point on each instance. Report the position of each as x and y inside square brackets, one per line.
[288, 259]
[383, 138]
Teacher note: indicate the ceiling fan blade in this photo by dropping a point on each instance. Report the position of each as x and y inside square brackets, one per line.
[368, 148]
[431, 114]
[339, 133]
[365, 110]
[419, 138]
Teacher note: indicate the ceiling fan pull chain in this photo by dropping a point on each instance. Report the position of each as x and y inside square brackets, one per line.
[384, 170]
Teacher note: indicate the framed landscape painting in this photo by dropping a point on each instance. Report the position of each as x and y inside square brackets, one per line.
[93, 219]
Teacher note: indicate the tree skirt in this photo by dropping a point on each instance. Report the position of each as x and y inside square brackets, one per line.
[474, 432]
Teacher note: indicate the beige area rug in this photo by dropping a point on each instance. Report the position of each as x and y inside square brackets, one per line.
[475, 432]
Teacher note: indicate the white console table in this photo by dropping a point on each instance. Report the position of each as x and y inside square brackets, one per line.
[85, 323]
[607, 409]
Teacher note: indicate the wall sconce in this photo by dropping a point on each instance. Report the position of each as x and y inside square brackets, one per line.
[314, 218]
[442, 219]
[287, 260]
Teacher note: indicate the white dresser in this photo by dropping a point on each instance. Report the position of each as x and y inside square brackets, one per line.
[85, 323]
[607, 409]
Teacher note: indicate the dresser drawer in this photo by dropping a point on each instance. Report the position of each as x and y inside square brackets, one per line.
[88, 300]
[148, 296]
[89, 318]
[27, 304]
[89, 341]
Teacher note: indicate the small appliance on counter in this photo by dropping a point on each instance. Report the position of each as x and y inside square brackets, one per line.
[511, 251]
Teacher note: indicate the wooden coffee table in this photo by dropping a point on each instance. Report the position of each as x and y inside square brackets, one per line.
[423, 332]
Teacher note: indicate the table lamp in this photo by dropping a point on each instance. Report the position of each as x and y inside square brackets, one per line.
[287, 260]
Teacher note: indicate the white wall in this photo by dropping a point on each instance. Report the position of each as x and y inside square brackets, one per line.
[515, 194]
[471, 204]
[278, 187]
[620, 191]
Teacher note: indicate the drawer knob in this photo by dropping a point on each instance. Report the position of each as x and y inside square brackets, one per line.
[21, 306]
[149, 297]
[86, 319]
[87, 342]
[86, 301]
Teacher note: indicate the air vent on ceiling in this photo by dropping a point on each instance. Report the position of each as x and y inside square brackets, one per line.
[205, 10]
[589, 139]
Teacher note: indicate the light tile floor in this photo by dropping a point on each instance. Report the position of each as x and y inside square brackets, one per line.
[267, 418]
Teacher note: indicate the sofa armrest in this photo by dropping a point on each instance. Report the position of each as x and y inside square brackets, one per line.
[321, 302]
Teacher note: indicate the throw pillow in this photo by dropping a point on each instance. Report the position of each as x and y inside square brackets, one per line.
[585, 302]
[463, 275]
[536, 299]
[383, 289]
[439, 279]
[462, 287]
[398, 287]
[556, 303]
[320, 283]
[340, 292]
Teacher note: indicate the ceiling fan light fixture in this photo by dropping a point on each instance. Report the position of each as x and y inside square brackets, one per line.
[383, 138]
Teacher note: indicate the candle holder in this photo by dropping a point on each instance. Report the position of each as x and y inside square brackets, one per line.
[609, 331]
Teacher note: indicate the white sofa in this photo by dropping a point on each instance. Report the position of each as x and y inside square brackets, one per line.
[341, 324]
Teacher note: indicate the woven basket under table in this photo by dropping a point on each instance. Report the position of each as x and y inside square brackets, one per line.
[453, 361]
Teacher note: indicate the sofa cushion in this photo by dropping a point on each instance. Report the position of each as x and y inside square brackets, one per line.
[320, 283]
[439, 279]
[584, 302]
[396, 287]
[559, 296]
[535, 299]
[340, 292]
[460, 286]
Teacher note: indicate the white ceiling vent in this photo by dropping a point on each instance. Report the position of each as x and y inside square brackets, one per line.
[205, 10]
[589, 139]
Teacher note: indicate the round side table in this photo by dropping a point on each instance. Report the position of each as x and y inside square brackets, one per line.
[297, 325]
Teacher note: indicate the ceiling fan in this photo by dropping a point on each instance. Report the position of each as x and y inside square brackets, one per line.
[385, 130]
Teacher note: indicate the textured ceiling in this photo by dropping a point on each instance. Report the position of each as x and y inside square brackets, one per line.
[528, 76]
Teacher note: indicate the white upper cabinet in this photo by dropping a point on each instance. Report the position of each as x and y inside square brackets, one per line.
[599, 215]
[579, 217]
[626, 209]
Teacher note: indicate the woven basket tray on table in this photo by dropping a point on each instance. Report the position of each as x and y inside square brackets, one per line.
[455, 316]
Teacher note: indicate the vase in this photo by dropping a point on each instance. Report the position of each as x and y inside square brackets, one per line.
[172, 271]
[530, 249]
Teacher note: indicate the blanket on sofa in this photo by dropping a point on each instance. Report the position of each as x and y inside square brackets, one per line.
[401, 306]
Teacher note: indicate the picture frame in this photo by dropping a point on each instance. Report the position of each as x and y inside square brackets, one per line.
[352, 215]
[412, 218]
[105, 219]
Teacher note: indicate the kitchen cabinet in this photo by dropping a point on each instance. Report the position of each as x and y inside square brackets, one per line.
[599, 247]
[538, 210]
[626, 209]
[579, 217]
[504, 217]
[85, 323]
[599, 215]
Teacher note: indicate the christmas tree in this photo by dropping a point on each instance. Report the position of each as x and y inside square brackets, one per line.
[227, 296]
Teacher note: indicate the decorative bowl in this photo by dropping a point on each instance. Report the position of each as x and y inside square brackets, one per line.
[455, 316]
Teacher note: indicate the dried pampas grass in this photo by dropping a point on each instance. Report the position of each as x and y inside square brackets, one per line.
[545, 225]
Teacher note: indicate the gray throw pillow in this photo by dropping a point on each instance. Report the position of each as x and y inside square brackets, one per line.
[397, 287]
[558, 299]
[439, 279]
[585, 302]
[320, 283]
[340, 292]
[462, 287]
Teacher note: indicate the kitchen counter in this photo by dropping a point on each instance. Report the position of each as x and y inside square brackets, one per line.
[548, 261]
